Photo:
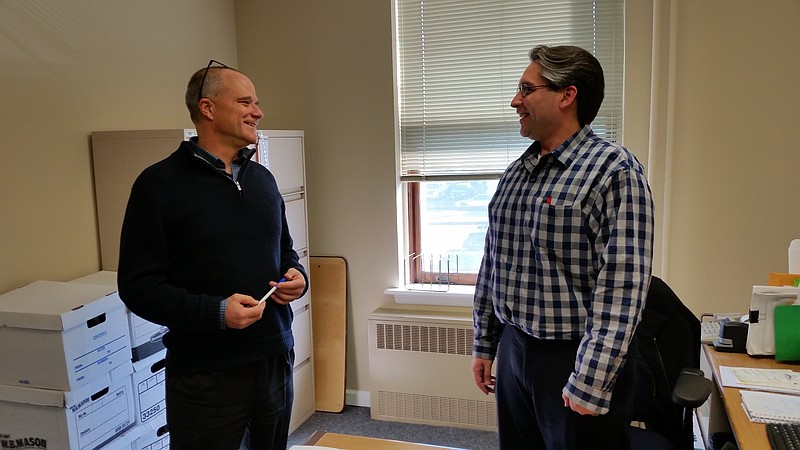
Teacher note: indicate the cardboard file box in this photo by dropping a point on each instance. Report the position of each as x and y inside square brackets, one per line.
[124, 441]
[149, 377]
[145, 335]
[57, 335]
[103, 278]
[82, 419]
[153, 436]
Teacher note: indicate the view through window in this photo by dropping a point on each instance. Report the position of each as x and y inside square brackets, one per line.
[452, 227]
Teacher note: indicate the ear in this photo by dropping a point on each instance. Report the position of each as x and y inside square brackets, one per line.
[569, 96]
[206, 107]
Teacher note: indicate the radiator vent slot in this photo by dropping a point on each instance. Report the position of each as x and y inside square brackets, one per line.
[437, 410]
[420, 370]
[421, 338]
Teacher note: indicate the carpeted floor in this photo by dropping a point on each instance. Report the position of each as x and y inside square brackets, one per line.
[356, 420]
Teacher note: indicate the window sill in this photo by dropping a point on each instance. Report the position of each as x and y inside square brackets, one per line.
[456, 295]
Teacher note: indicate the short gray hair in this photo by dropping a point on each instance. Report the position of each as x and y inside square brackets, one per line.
[211, 87]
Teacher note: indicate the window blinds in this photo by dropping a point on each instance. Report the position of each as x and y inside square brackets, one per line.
[459, 62]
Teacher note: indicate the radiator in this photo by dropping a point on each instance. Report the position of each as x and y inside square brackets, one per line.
[420, 370]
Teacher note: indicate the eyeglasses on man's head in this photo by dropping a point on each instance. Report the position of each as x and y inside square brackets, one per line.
[526, 89]
[205, 74]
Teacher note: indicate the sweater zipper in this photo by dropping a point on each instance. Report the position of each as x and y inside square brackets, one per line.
[235, 182]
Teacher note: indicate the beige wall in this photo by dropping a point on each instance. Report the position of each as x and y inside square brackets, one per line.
[70, 68]
[717, 133]
[326, 67]
[736, 177]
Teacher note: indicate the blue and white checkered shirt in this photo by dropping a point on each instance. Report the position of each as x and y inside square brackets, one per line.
[568, 256]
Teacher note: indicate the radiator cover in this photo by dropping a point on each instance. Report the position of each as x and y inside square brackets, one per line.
[420, 370]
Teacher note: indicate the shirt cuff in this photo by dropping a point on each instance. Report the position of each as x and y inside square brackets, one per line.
[222, 305]
[589, 397]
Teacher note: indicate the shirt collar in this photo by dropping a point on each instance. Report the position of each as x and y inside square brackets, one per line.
[563, 155]
[244, 154]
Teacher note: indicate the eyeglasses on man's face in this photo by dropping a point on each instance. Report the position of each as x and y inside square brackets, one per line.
[525, 89]
[203, 81]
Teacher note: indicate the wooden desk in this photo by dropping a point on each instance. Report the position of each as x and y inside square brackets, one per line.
[749, 435]
[348, 442]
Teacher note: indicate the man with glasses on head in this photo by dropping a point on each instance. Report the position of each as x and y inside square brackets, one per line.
[204, 237]
[566, 268]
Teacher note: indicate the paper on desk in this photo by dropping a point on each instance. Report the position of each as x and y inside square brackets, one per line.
[766, 407]
[780, 377]
[772, 380]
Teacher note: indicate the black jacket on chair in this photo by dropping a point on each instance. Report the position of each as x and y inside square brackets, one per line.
[669, 341]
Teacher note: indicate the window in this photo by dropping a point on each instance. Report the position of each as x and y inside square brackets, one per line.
[458, 63]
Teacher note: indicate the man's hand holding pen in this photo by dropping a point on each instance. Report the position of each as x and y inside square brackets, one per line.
[289, 290]
[241, 310]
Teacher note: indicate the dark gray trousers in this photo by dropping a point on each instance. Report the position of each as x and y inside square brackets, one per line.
[213, 410]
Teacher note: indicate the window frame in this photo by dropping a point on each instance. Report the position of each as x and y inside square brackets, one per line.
[411, 187]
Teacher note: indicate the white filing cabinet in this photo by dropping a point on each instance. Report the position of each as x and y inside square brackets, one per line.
[282, 151]
[120, 156]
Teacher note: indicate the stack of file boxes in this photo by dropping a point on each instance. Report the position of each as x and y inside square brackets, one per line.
[147, 379]
[65, 380]
[78, 372]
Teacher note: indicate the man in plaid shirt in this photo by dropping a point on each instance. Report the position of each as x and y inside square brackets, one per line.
[566, 268]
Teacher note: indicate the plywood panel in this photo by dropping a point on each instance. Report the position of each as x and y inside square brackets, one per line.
[344, 441]
[329, 325]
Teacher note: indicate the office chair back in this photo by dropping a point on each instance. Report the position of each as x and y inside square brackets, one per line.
[669, 342]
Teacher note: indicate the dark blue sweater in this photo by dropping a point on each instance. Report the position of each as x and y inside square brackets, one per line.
[192, 237]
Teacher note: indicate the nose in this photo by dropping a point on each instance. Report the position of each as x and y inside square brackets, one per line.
[257, 112]
[517, 100]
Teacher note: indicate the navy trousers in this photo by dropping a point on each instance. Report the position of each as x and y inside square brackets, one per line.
[214, 410]
[531, 413]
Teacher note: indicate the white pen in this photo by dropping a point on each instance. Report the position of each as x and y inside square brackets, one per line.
[271, 291]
